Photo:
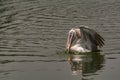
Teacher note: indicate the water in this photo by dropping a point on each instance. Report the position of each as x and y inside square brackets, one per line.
[33, 35]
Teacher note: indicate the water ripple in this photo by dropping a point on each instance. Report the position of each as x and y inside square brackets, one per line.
[34, 26]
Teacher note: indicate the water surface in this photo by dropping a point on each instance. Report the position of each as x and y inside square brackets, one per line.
[33, 35]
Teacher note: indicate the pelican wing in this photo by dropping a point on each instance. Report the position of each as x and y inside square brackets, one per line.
[90, 38]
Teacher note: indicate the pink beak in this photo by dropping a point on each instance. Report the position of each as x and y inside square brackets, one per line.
[69, 42]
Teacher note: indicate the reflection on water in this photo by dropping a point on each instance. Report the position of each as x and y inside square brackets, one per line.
[86, 64]
[76, 63]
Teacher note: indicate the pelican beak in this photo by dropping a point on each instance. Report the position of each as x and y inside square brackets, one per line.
[69, 41]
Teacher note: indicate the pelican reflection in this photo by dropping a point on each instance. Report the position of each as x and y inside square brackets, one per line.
[85, 64]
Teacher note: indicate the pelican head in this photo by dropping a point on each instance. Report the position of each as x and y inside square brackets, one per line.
[71, 37]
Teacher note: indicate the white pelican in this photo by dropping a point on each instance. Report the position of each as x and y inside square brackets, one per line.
[83, 39]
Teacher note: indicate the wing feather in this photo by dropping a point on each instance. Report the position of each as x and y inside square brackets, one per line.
[91, 38]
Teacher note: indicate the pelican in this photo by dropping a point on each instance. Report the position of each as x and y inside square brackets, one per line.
[83, 39]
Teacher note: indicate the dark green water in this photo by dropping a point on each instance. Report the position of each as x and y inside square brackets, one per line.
[33, 35]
